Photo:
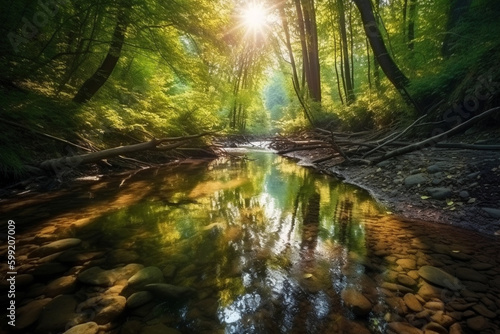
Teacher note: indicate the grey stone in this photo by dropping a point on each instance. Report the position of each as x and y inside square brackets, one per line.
[354, 300]
[415, 179]
[473, 175]
[495, 213]
[439, 193]
[468, 274]
[55, 247]
[464, 194]
[434, 169]
[439, 277]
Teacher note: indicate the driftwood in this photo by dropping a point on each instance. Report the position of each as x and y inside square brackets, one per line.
[154, 144]
[434, 140]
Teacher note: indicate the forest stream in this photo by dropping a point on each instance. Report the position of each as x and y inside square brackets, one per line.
[250, 243]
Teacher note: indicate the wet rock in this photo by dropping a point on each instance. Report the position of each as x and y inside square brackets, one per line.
[406, 280]
[73, 256]
[159, 329]
[395, 287]
[495, 213]
[57, 314]
[481, 266]
[397, 305]
[146, 276]
[433, 327]
[407, 263]
[464, 194]
[415, 179]
[434, 305]
[404, 328]
[86, 328]
[468, 274]
[139, 298]
[456, 328]
[29, 313]
[442, 319]
[482, 310]
[169, 271]
[168, 290]
[109, 308]
[356, 302]
[412, 302]
[101, 277]
[476, 286]
[434, 169]
[428, 291]
[439, 193]
[477, 323]
[61, 285]
[24, 280]
[439, 277]
[54, 247]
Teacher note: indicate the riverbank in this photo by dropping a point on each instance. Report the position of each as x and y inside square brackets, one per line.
[454, 187]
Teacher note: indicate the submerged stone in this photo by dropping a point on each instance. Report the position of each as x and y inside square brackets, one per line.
[55, 247]
[439, 277]
[356, 301]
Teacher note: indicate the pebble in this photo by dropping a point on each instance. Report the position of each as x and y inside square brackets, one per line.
[61, 285]
[139, 298]
[439, 277]
[482, 310]
[412, 302]
[404, 328]
[146, 276]
[86, 328]
[57, 314]
[415, 179]
[477, 323]
[54, 247]
[29, 313]
[356, 302]
[468, 274]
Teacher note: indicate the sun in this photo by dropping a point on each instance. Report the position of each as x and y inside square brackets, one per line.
[255, 17]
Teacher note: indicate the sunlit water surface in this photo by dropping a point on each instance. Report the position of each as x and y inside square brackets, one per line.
[267, 245]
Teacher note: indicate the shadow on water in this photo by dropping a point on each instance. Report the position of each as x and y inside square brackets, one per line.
[263, 246]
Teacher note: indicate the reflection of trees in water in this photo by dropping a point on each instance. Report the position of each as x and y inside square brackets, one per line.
[343, 216]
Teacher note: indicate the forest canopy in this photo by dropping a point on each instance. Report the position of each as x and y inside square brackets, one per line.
[108, 70]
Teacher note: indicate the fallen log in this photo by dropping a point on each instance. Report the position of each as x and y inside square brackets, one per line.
[434, 140]
[59, 164]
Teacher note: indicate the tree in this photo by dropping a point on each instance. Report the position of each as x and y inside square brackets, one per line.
[458, 8]
[346, 68]
[391, 70]
[98, 79]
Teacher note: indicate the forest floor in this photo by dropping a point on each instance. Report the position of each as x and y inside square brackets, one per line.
[451, 186]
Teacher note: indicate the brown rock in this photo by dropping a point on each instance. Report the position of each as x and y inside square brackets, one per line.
[468, 274]
[29, 313]
[406, 280]
[482, 310]
[456, 328]
[61, 285]
[355, 301]
[477, 323]
[433, 327]
[407, 263]
[404, 328]
[412, 302]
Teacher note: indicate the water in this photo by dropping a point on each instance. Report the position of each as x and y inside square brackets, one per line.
[265, 245]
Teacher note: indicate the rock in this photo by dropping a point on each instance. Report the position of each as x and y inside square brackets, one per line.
[54, 247]
[57, 314]
[406, 280]
[131, 327]
[413, 180]
[439, 193]
[356, 302]
[159, 329]
[434, 328]
[464, 194]
[29, 313]
[407, 263]
[110, 308]
[23, 280]
[86, 328]
[442, 319]
[139, 298]
[456, 328]
[404, 328]
[473, 176]
[101, 277]
[395, 287]
[468, 274]
[439, 277]
[74, 256]
[477, 323]
[476, 286]
[434, 169]
[434, 305]
[146, 276]
[428, 291]
[168, 290]
[169, 271]
[61, 285]
[482, 310]
[412, 302]
[495, 213]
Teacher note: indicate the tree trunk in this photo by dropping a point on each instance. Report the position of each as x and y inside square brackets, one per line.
[99, 78]
[457, 9]
[349, 91]
[391, 70]
[412, 15]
